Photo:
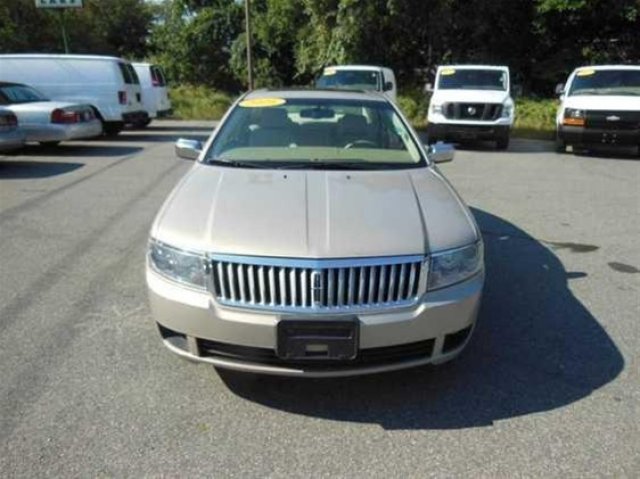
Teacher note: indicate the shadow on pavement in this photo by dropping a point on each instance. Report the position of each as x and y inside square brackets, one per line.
[179, 128]
[149, 137]
[34, 169]
[536, 348]
[79, 150]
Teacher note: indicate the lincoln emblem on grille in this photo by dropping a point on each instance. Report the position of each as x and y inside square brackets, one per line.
[613, 118]
[317, 287]
[471, 110]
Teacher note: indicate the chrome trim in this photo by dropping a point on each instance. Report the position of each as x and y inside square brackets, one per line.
[318, 286]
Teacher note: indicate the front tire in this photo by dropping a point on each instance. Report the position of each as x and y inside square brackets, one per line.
[112, 128]
[143, 123]
[560, 144]
[502, 142]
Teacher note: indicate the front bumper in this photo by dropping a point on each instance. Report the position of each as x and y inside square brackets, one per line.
[462, 131]
[578, 135]
[134, 117]
[194, 326]
[11, 140]
[62, 132]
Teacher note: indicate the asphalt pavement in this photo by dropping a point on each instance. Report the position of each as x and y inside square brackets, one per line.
[548, 387]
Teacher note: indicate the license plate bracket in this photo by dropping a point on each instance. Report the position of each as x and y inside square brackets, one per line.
[318, 340]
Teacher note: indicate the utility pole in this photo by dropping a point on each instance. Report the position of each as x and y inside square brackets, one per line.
[64, 31]
[247, 20]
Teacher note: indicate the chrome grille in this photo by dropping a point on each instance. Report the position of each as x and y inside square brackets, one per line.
[319, 285]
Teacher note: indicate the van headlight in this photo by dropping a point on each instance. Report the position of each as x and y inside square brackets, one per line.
[456, 265]
[506, 111]
[436, 109]
[178, 265]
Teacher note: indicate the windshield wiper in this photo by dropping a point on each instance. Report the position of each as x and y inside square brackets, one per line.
[239, 163]
[335, 165]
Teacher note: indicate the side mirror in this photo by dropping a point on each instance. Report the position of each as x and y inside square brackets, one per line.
[188, 149]
[560, 89]
[388, 86]
[441, 152]
[428, 88]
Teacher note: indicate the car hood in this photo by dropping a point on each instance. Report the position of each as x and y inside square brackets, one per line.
[37, 111]
[603, 102]
[314, 214]
[469, 96]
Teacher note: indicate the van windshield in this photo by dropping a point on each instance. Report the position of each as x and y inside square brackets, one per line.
[314, 133]
[606, 82]
[350, 79]
[472, 79]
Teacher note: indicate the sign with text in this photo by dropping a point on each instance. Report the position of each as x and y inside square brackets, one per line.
[58, 3]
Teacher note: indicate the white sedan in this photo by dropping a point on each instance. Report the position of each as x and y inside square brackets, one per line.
[46, 121]
[11, 137]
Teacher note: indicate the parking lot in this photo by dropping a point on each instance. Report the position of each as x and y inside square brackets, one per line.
[550, 384]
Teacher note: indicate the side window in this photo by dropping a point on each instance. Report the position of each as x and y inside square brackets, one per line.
[126, 75]
[157, 76]
[132, 74]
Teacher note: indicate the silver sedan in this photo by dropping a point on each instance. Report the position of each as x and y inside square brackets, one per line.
[45, 121]
[11, 137]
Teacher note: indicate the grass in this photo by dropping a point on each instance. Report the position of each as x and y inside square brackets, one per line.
[192, 102]
[535, 118]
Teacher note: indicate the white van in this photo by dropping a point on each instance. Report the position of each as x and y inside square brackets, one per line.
[359, 77]
[471, 102]
[599, 105]
[155, 95]
[109, 84]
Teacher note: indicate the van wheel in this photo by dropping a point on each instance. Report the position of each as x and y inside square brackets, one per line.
[502, 142]
[112, 128]
[143, 123]
[560, 144]
[49, 143]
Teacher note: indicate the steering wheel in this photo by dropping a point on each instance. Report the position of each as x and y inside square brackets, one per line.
[359, 143]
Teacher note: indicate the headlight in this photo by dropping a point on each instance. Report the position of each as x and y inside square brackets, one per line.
[506, 111]
[453, 266]
[573, 113]
[436, 108]
[178, 265]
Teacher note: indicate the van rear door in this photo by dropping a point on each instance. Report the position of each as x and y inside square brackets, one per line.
[131, 96]
[159, 83]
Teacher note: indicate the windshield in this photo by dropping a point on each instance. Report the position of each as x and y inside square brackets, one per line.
[314, 134]
[468, 79]
[349, 79]
[606, 82]
[20, 94]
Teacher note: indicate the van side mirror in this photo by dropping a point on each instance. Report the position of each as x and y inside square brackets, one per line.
[428, 88]
[188, 149]
[388, 86]
[441, 152]
[560, 89]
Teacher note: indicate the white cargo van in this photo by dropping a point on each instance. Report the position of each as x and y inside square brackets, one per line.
[109, 84]
[155, 95]
[359, 77]
[471, 102]
[599, 105]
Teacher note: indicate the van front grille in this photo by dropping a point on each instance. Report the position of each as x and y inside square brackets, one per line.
[318, 285]
[472, 111]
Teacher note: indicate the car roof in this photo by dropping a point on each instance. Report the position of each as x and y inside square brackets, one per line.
[608, 67]
[62, 56]
[470, 67]
[8, 83]
[354, 67]
[317, 93]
